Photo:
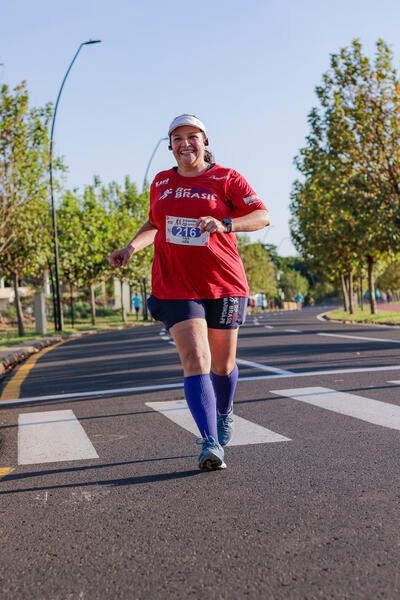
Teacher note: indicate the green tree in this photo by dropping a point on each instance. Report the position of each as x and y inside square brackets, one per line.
[291, 283]
[72, 244]
[129, 211]
[259, 269]
[24, 222]
[85, 234]
[322, 291]
[94, 224]
[390, 278]
[345, 212]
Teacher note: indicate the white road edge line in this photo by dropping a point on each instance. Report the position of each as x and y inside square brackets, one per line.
[52, 436]
[170, 386]
[246, 432]
[360, 337]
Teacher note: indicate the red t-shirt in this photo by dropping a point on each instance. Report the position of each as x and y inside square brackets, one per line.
[188, 265]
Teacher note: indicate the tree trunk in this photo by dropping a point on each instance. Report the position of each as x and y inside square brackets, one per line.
[360, 291]
[72, 304]
[92, 305]
[123, 310]
[351, 292]
[371, 284]
[104, 293]
[344, 291]
[21, 328]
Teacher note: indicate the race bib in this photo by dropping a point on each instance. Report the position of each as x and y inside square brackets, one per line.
[180, 230]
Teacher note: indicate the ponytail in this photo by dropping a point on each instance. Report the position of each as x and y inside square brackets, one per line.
[208, 157]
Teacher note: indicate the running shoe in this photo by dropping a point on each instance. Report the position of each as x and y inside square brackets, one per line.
[225, 427]
[212, 455]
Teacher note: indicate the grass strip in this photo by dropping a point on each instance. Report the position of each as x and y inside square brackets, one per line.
[9, 335]
[382, 317]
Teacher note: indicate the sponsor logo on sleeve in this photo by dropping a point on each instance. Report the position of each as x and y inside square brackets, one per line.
[251, 199]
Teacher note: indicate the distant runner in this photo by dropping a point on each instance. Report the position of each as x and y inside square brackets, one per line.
[199, 287]
[299, 300]
[136, 305]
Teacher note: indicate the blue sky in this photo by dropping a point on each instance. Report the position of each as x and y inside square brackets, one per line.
[247, 69]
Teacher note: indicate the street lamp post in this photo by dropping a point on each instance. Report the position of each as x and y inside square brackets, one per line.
[151, 158]
[57, 304]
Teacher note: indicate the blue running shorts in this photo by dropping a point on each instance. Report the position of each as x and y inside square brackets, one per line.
[220, 313]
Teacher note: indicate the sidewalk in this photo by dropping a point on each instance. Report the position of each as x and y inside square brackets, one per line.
[392, 307]
[12, 355]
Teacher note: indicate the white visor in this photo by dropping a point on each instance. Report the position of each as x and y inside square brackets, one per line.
[186, 120]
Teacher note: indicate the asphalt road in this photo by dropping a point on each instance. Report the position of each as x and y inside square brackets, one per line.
[316, 515]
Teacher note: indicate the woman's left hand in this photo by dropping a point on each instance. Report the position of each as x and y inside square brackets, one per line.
[210, 224]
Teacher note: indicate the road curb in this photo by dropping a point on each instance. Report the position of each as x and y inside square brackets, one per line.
[10, 361]
[324, 317]
[14, 358]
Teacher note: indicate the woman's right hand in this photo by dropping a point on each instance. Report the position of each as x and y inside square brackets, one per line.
[119, 258]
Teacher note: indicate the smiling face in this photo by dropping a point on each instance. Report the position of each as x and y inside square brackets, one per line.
[188, 146]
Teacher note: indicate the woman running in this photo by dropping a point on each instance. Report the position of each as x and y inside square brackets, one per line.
[199, 287]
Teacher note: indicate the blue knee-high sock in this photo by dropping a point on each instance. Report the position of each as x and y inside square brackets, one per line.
[224, 388]
[201, 402]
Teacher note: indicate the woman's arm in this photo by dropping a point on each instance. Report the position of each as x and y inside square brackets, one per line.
[257, 219]
[144, 237]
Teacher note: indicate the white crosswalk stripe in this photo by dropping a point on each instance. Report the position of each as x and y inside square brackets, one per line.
[52, 436]
[359, 407]
[246, 432]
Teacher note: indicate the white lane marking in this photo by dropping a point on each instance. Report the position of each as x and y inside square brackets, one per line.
[172, 342]
[255, 365]
[143, 388]
[246, 432]
[293, 330]
[359, 407]
[397, 382]
[166, 337]
[359, 337]
[268, 326]
[170, 386]
[52, 436]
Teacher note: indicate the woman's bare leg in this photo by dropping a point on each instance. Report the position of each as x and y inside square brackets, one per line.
[191, 340]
